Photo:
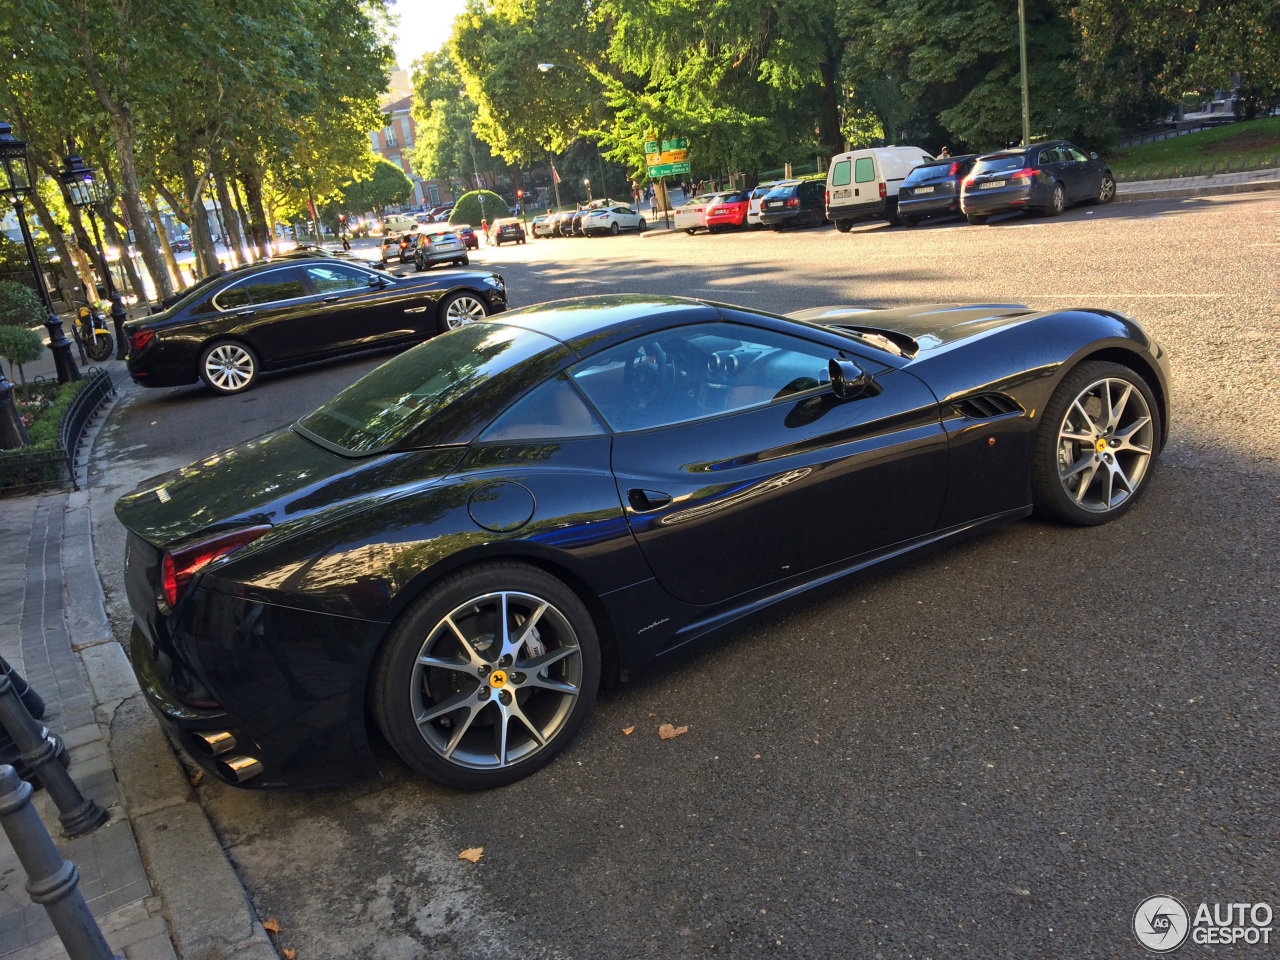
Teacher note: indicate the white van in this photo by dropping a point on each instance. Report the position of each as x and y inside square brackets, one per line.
[863, 184]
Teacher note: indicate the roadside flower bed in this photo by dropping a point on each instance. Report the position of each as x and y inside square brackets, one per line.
[42, 413]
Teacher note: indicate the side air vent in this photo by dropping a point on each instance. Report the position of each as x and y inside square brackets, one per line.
[986, 406]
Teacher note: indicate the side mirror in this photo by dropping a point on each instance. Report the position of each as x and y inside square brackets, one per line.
[848, 380]
[1093, 156]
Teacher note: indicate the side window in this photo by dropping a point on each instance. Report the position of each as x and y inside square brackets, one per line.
[553, 411]
[1076, 155]
[864, 171]
[1049, 155]
[698, 371]
[269, 287]
[840, 174]
[330, 278]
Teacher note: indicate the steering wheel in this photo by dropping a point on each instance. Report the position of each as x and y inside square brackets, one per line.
[646, 378]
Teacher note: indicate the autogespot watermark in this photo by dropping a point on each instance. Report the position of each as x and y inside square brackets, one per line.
[1162, 923]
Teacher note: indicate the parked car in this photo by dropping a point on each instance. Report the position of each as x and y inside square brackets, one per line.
[468, 235]
[933, 189]
[508, 229]
[612, 219]
[543, 225]
[276, 314]
[727, 210]
[439, 243]
[793, 203]
[757, 197]
[181, 245]
[691, 216]
[863, 184]
[390, 247]
[459, 549]
[408, 244]
[1044, 176]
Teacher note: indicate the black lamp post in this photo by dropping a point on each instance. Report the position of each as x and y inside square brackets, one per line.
[86, 192]
[16, 183]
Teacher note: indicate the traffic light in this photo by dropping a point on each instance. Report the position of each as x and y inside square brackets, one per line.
[342, 218]
[519, 194]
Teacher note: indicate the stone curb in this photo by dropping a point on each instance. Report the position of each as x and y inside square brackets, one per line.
[208, 912]
[1208, 190]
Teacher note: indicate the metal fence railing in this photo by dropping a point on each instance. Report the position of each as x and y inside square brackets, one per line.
[27, 472]
[1202, 169]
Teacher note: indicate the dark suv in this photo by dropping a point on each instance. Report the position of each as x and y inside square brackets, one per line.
[795, 203]
[933, 189]
[1044, 176]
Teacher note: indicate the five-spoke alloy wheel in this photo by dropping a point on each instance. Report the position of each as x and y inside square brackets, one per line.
[1098, 441]
[488, 676]
[228, 367]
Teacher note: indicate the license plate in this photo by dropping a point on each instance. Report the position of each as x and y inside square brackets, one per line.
[992, 184]
[919, 190]
[774, 203]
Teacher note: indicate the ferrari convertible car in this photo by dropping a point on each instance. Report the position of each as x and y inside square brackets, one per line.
[462, 546]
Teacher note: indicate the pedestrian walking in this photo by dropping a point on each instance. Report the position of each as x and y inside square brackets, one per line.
[484, 228]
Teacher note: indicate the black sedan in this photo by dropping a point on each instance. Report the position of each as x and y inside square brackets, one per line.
[465, 544]
[1044, 176]
[280, 313]
[933, 189]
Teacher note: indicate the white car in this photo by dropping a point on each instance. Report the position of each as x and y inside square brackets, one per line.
[692, 214]
[612, 219]
[757, 197]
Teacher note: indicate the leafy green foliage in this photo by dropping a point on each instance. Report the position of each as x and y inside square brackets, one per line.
[20, 306]
[20, 345]
[468, 209]
[385, 186]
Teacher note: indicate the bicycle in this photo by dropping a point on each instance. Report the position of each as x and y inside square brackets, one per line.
[91, 333]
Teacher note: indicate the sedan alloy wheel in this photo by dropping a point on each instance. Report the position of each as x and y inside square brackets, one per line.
[229, 367]
[1107, 191]
[462, 309]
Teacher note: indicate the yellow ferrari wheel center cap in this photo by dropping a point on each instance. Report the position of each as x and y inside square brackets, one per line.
[1100, 444]
[498, 678]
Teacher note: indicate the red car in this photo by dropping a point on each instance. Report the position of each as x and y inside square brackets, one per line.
[468, 237]
[729, 210]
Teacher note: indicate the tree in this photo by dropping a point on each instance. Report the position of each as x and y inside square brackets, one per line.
[20, 306]
[386, 186]
[469, 208]
[19, 345]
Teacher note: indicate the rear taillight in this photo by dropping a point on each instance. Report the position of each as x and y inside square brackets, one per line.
[967, 183]
[826, 197]
[1026, 173]
[177, 567]
[140, 338]
[882, 189]
[955, 168]
[793, 202]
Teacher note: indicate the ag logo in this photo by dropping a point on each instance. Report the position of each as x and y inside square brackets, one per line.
[1161, 924]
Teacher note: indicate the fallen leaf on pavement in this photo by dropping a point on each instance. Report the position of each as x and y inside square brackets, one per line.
[472, 854]
[195, 781]
[667, 731]
[290, 954]
[652, 715]
[756, 757]
[628, 730]
[273, 925]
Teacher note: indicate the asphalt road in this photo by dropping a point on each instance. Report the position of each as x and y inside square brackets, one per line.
[997, 752]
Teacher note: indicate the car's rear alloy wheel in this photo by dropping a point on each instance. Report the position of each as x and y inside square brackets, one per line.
[613, 229]
[487, 676]
[228, 367]
[641, 227]
[460, 310]
[1057, 202]
[1107, 191]
[1097, 444]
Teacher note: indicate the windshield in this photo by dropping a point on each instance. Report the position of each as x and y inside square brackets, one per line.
[999, 164]
[401, 396]
[931, 171]
[785, 189]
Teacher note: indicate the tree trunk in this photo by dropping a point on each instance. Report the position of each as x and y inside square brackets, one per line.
[57, 236]
[252, 181]
[201, 238]
[229, 218]
[245, 226]
[85, 242]
[830, 120]
[166, 249]
[113, 237]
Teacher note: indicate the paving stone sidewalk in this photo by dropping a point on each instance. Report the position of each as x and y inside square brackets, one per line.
[35, 638]
[1222, 183]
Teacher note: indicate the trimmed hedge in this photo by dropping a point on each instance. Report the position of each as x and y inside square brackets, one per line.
[43, 429]
[467, 209]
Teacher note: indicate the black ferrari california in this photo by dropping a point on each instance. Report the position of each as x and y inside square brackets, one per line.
[298, 309]
[461, 547]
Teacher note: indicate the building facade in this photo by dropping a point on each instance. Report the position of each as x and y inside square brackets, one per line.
[394, 143]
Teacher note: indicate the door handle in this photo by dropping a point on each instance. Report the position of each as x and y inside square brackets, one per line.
[644, 500]
[246, 313]
[332, 298]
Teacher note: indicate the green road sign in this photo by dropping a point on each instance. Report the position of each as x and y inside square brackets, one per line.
[675, 143]
[651, 146]
[668, 169]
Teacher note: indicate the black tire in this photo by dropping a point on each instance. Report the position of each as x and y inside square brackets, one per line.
[691, 230]
[977, 219]
[1057, 201]
[844, 226]
[1107, 188]
[400, 687]
[642, 226]
[613, 229]
[464, 262]
[468, 307]
[499, 242]
[892, 215]
[1059, 463]
[99, 347]
[814, 219]
[228, 366]
[909, 222]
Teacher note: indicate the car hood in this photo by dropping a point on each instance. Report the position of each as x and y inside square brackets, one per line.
[928, 327]
[279, 478]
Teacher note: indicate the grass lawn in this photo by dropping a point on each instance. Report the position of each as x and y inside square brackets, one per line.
[1231, 143]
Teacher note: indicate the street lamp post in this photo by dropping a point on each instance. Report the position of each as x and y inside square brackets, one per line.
[86, 192]
[587, 183]
[1022, 49]
[16, 183]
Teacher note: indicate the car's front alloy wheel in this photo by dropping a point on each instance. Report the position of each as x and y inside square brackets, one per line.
[487, 676]
[228, 367]
[460, 310]
[1098, 442]
[1107, 190]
